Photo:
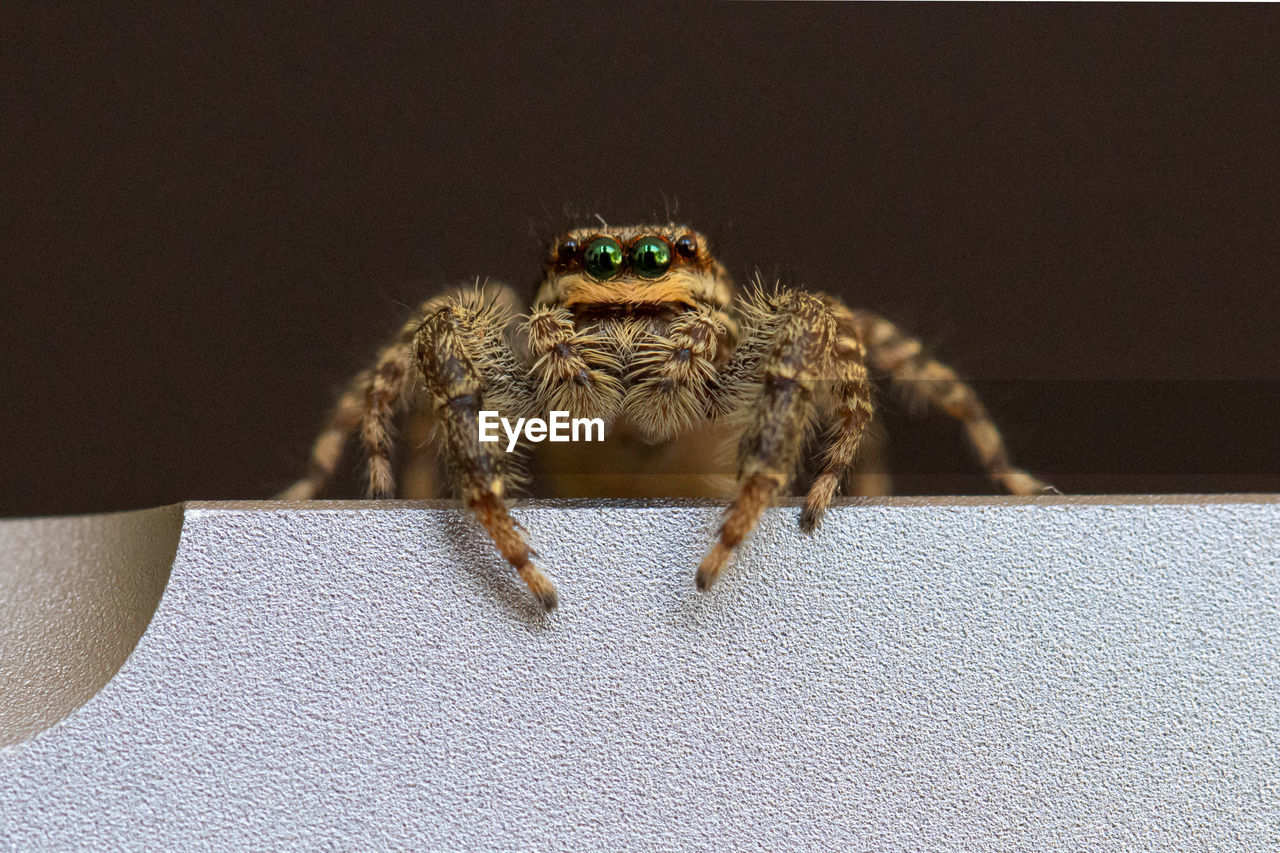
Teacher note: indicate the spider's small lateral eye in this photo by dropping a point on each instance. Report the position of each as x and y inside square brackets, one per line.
[569, 250]
[651, 257]
[686, 246]
[603, 258]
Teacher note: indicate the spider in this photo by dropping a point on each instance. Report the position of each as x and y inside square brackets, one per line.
[640, 326]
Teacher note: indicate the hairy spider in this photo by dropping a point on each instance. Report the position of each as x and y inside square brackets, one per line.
[641, 326]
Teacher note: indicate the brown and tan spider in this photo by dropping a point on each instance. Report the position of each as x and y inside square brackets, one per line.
[640, 327]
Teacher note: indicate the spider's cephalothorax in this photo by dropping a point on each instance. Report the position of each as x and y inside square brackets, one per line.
[641, 326]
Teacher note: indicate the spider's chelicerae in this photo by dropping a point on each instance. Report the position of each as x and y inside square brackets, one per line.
[641, 327]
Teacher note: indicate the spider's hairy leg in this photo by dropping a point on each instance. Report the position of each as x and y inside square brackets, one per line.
[326, 452]
[670, 372]
[852, 404]
[926, 380]
[371, 402]
[575, 370]
[791, 353]
[466, 361]
[389, 391]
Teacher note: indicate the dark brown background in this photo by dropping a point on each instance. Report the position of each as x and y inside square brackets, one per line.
[212, 218]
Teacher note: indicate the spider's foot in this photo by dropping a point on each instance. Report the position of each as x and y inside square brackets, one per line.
[1019, 482]
[540, 585]
[303, 490]
[1050, 490]
[817, 501]
[711, 566]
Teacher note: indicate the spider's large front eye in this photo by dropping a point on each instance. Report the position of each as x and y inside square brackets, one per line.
[603, 258]
[651, 257]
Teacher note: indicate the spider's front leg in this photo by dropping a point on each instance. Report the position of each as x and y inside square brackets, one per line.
[794, 357]
[467, 363]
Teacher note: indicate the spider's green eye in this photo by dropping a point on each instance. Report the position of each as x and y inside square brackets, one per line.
[603, 258]
[651, 257]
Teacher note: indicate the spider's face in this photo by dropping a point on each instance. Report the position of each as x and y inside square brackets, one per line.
[617, 269]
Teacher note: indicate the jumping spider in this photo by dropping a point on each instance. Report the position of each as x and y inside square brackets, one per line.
[641, 326]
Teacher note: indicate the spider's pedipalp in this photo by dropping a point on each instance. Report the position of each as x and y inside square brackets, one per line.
[669, 373]
[575, 369]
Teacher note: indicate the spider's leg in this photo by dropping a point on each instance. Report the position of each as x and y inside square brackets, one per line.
[326, 452]
[371, 403]
[422, 472]
[852, 409]
[928, 381]
[388, 392]
[788, 352]
[852, 405]
[466, 362]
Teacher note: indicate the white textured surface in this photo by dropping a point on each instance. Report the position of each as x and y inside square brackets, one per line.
[76, 593]
[992, 676]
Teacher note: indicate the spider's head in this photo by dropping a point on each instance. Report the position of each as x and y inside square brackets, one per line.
[606, 270]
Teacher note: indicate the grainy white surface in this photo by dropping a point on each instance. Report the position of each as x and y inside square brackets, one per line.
[76, 593]
[998, 675]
